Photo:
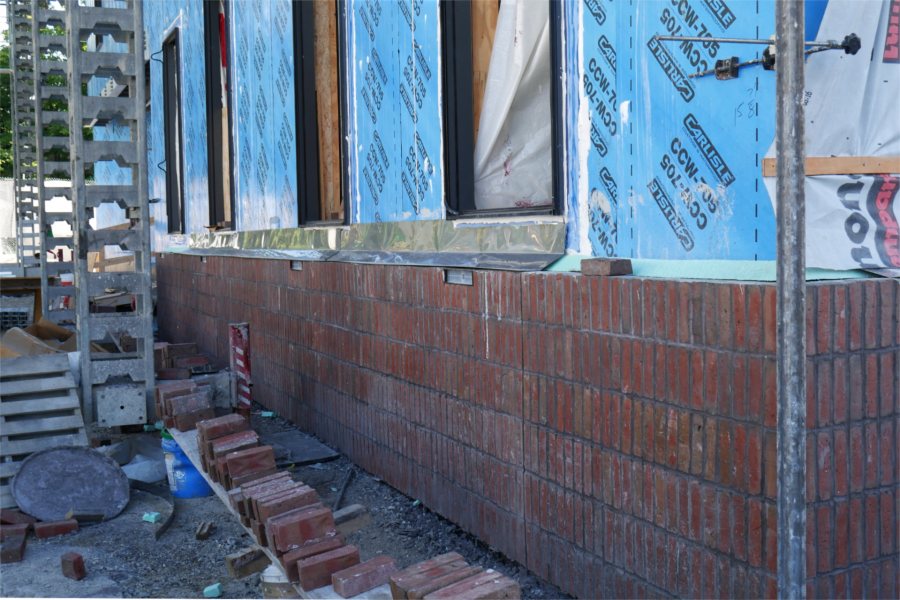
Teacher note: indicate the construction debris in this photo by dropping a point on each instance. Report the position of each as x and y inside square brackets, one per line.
[352, 518]
[73, 566]
[12, 545]
[151, 517]
[246, 562]
[53, 482]
[212, 591]
[204, 530]
[47, 529]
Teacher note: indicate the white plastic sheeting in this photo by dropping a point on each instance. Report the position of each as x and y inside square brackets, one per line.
[513, 156]
[852, 110]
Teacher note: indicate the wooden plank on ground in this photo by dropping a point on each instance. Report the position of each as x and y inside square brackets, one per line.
[841, 165]
[18, 387]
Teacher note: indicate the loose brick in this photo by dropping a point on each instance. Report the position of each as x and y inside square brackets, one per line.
[14, 530]
[311, 548]
[54, 528]
[204, 530]
[296, 527]
[259, 531]
[363, 577]
[400, 582]
[248, 477]
[187, 421]
[73, 566]
[248, 461]
[189, 362]
[316, 571]
[606, 266]
[234, 442]
[13, 516]
[489, 584]
[12, 548]
[221, 426]
[172, 374]
[246, 562]
[160, 355]
[437, 582]
[264, 492]
[298, 497]
[188, 403]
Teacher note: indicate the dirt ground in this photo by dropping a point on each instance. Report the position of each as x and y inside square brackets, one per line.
[123, 559]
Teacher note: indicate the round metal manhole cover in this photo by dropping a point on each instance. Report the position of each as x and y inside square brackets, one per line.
[53, 482]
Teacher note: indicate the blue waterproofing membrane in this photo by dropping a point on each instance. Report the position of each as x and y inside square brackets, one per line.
[261, 56]
[735, 270]
[672, 168]
[160, 20]
[395, 117]
[665, 167]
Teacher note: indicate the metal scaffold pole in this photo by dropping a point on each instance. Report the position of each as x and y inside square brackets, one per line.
[791, 284]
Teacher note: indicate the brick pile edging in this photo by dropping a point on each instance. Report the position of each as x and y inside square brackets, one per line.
[290, 523]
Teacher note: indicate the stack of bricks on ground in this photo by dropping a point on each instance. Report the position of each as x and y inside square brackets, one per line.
[15, 526]
[178, 361]
[287, 517]
[182, 403]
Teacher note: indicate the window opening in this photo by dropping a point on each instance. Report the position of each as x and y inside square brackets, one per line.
[502, 117]
[173, 134]
[218, 115]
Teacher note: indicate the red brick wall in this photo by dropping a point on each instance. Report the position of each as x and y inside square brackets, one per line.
[615, 435]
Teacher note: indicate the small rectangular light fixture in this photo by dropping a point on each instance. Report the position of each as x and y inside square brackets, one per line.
[203, 259]
[458, 276]
[296, 265]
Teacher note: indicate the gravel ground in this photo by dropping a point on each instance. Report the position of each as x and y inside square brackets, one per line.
[124, 560]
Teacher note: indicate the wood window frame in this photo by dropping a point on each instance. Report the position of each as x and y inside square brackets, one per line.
[215, 135]
[459, 138]
[173, 134]
[306, 113]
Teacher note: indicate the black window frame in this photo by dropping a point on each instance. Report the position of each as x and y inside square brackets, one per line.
[174, 144]
[459, 139]
[214, 132]
[306, 113]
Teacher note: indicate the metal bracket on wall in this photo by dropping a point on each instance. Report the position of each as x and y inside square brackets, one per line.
[728, 68]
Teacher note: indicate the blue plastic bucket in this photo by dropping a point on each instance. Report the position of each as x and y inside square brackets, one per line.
[185, 480]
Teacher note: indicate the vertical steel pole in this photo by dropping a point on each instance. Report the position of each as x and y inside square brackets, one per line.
[791, 283]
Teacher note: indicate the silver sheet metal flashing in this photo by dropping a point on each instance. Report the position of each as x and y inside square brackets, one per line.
[528, 246]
